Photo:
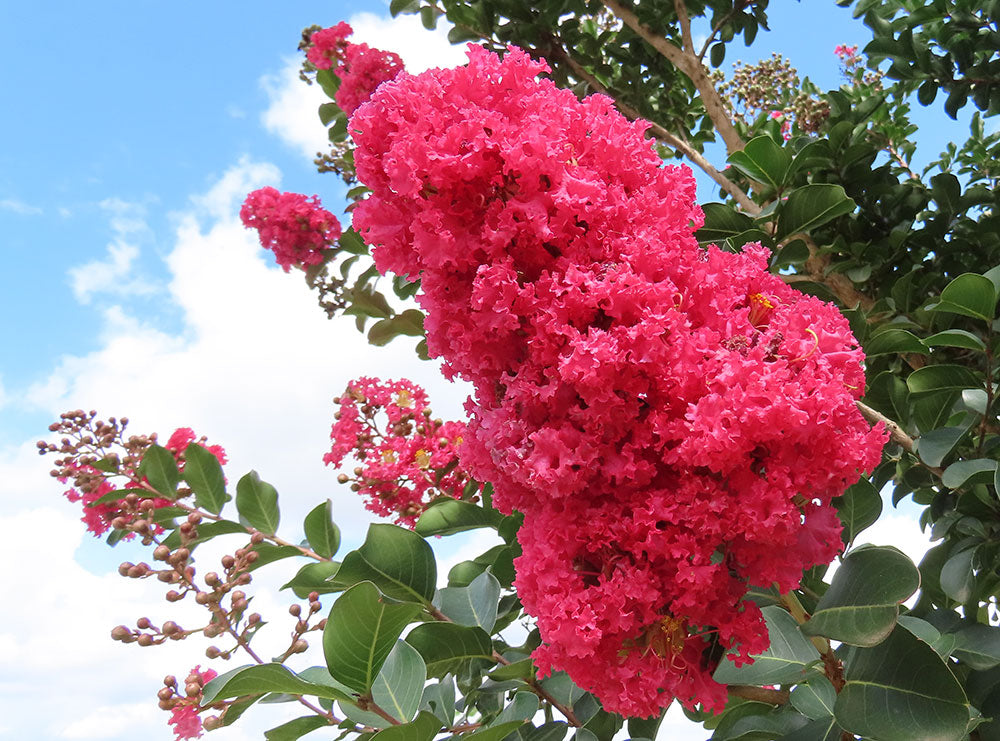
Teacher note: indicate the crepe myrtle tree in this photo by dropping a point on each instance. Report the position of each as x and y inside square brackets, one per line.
[682, 412]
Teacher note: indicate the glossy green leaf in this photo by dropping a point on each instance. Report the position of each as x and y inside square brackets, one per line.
[424, 728]
[295, 729]
[894, 341]
[522, 707]
[823, 729]
[810, 207]
[721, 222]
[815, 699]
[933, 447]
[449, 516]
[315, 577]
[784, 662]
[861, 606]
[970, 294]
[941, 377]
[962, 473]
[321, 531]
[957, 577]
[439, 698]
[447, 647]
[397, 560]
[257, 503]
[523, 669]
[858, 508]
[269, 553]
[763, 160]
[203, 473]
[901, 690]
[400, 682]
[474, 605]
[978, 646]
[360, 632]
[756, 722]
[261, 678]
[955, 338]
[159, 467]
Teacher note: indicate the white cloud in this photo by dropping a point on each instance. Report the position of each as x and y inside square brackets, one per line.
[292, 111]
[113, 274]
[17, 206]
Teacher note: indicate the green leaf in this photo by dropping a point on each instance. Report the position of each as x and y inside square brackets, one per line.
[496, 733]
[260, 678]
[812, 206]
[894, 341]
[978, 471]
[439, 699]
[978, 646]
[360, 633]
[522, 669]
[159, 467]
[403, 6]
[203, 473]
[522, 707]
[955, 338]
[448, 516]
[295, 729]
[941, 377]
[970, 294]
[119, 494]
[424, 728]
[717, 55]
[861, 606]
[957, 577]
[901, 690]
[257, 503]
[206, 531]
[397, 560]
[784, 662]
[315, 577]
[934, 446]
[328, 81]
[815, 700]
[858, 508]
[762, 160]
[400, 683]
[447, 647]
[721, 222]
[321, 531]
[474, 605]
[269, 553]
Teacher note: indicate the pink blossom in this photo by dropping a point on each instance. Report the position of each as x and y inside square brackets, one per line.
[327, 46]
[672, 421]
[184, 436]
[185, 715]
[360, 68]
[295, 227]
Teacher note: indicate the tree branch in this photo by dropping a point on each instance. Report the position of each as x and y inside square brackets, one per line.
[686, 60]
[759, 694]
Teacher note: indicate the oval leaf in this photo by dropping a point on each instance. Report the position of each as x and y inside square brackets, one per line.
[448, 516]
[257, 503]
[203, 473]
[321, 531]
[424, 728]
[941, 377]
[978, 471]
[400, 683]
[762, 160]
[861, 606]
[858, 508]
[261, 678]
[360, 633]
[447, 647]
[474, 605]
[901, 690]
[812, 206]
[397, 560]
[955, 338]
[784, 662]
[159, 467]
[970, 294]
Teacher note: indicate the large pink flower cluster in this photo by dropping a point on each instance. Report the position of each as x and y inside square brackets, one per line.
[293, 226]
[360, 68]
[673, 421]
[405, 457]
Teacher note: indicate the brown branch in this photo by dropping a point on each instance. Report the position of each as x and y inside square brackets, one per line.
[673, 141]
[687, 62]
[759, 694]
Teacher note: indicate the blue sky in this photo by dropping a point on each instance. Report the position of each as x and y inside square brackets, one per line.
[132, 131]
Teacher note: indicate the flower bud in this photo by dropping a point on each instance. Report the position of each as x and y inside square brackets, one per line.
[145, 639]
[143, 623]
[161, 552]
[120, 633]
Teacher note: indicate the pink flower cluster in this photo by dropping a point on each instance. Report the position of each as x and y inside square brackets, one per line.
[294, 226]
[673, 421]
[90, 484]
[406, 458]
[184, 715]
[361, 69]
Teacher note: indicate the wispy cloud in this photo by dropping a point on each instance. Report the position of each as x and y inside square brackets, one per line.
[114, 273]
[17, 206]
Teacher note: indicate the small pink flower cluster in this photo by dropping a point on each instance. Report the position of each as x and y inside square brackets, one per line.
[406, 458]
[786, 123]
[361, 69]
[294, 226]
[90, 484]
[845, 52]
[672, 421]
[184, 716]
